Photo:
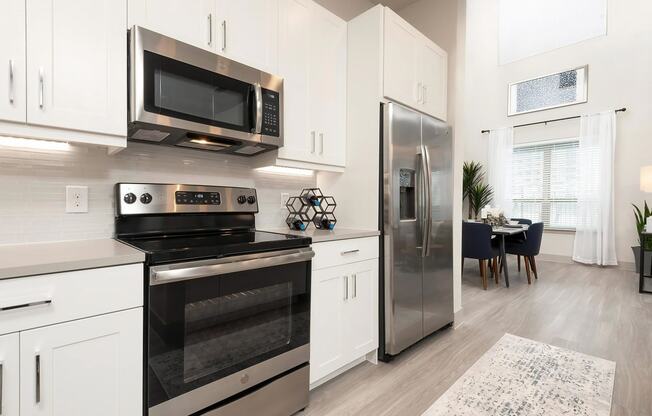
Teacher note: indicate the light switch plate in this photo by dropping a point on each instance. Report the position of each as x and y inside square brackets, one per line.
[76, 198]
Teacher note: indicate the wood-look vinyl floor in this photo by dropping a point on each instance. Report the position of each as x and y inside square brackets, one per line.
[593, 310]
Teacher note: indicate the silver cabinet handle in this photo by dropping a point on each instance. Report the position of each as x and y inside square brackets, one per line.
[321, 143]
[259, 108]
[313, 142]
[419, 92]
[24, 304]
[223, 35]
[210, 29]
[11, 90]
[346, 287]
[425, 93]
[349, 252]
[355, 285]
[40, 87]
[38, 378]
[1, 379]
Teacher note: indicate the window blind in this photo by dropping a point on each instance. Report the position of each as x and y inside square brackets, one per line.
[545, 183]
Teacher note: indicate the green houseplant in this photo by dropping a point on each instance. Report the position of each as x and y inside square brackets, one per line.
[474, 190]
[641, 216]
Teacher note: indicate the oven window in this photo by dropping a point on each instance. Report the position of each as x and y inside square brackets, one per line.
[202, 330]
[190, 93]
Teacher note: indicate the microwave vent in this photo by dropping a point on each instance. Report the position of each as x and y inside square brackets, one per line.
[250, 150]
[150, 135]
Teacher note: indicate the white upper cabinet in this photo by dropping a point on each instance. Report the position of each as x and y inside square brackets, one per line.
[12, 61]
[415, 68]
[434, 78]
[76, 65]
[247, 32]
[9, 374]
[401, 61]
[192, 22]
[312, 61]
[244, 30]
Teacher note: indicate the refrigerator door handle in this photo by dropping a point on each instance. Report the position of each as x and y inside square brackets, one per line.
[428, 182]
[424, 200]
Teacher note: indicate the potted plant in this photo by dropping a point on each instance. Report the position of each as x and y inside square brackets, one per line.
[474, 190]
[641, 217]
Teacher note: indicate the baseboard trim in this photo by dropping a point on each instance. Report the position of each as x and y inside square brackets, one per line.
[628, 266]
[370, 356]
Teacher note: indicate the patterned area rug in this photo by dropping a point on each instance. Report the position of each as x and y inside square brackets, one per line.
[521, 377]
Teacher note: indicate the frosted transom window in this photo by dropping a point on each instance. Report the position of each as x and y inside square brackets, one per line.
[550, 91]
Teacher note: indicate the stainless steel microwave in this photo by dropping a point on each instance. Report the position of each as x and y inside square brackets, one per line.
[181, 95]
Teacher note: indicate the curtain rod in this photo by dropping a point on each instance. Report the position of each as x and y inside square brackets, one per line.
[553, 120]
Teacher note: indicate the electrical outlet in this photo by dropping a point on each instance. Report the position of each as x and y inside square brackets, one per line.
[76, 198]
[284, 198]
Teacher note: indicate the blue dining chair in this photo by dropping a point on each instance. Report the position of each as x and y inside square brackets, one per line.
[528, 248]
[478, 244]
[519, 238]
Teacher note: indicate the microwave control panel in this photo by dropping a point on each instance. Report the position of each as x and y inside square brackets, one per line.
[271, 113]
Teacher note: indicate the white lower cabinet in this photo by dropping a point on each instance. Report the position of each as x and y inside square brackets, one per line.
[9, 375]
[72, 343]
[87, 367]
[344, 315]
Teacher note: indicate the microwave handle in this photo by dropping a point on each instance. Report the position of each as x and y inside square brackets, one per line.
[258, 92]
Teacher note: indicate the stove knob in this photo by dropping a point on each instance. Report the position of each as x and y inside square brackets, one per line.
[129, 198]
[242, 199]
[251, 199]
[145, 198]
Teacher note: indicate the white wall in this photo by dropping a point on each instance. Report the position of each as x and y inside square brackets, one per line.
[443, 22]
[620, 66]
[32, 185]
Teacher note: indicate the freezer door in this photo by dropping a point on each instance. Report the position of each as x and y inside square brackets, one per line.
[438, 262]
[402, 228]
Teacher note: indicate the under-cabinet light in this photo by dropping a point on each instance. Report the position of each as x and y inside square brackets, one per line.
[281, 170]
[21, 143]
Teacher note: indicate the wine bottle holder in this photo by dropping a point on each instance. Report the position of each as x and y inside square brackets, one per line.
[311, 206]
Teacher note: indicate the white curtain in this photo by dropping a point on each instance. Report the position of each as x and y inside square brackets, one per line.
[499, 167]
[595, 235]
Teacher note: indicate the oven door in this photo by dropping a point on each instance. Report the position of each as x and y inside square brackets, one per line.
[219, 327]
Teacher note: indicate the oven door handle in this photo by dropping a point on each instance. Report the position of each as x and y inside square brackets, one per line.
[196, 270]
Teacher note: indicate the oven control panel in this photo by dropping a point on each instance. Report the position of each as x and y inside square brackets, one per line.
[148, 199]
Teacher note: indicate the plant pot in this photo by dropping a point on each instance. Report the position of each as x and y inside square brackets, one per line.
[637, 258]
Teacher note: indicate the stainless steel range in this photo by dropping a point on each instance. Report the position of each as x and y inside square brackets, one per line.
[228, 318]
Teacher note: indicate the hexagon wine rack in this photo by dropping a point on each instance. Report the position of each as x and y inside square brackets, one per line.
[311, 206]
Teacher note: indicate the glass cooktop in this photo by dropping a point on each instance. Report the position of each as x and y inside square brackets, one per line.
[164, 249]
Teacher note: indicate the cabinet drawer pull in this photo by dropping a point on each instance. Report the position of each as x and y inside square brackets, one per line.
[25, 305]
[38, 378]
[40, 87]
[425, 93]
[11, 98]
[321, 143]
[1, 378]
[223, 35]
[419, 92]
[346, 287]
[313, 147]
[210, 29]
[355, 285]
[350, 252]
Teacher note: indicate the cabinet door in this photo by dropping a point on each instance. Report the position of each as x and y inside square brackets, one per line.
[434, 61]
[76, 65]
[248, 32]
[328, 294]
[9, 374]
[193, 22]
[328, 86]
[401, 81]
[361, 314]
[12, 61]
[293, 65]
[86, 367]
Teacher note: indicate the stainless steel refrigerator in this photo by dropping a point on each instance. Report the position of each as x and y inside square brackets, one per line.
[416, 213]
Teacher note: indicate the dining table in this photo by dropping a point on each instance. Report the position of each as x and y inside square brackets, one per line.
[501, 232]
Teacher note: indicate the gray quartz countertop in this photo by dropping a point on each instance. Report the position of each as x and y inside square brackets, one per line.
[319, 236]
[17, 260]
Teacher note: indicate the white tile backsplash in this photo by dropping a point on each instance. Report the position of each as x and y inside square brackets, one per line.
[32, 185]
